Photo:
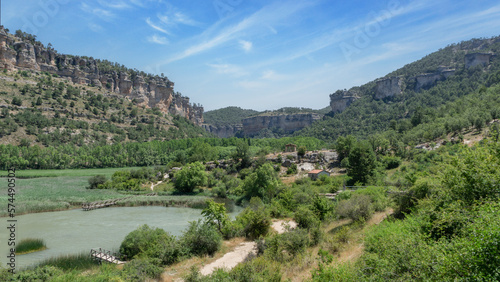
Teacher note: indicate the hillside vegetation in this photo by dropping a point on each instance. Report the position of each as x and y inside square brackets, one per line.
[40, 108]
[427, 114]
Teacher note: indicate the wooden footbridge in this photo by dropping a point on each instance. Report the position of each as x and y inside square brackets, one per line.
[100, 255]
[108, 203]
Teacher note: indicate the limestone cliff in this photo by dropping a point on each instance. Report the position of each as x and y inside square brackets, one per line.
[474, 59]
[388, 87]
[341, 99]
[427, 80]
[223, 131]
[288, 123]
[148, 90]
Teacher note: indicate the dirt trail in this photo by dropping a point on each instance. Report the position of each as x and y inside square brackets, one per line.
[231, 259]
[355, 251]
[244, 250]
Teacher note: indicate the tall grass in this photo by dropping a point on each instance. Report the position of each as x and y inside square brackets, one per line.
[30, 245]
[80, 261]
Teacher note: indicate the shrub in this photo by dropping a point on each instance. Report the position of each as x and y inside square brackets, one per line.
[153, 243]
[357, 208]
[286, 246]
[95, 181]
[44, 273]
[254, 220]
[201, 239]
[140, 268]
[305, 218]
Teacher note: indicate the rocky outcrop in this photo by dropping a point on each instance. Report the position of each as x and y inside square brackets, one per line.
[426, 81]
[341, 99]
[146, 90]
[223, 131]
[388, 87]
[286, 123]
[474, 59]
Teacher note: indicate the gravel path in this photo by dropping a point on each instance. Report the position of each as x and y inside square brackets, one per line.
[231, 259]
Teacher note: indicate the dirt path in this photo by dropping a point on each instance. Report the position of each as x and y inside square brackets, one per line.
[280, 225]
[244, 250]
[356, 250]
[231, 259]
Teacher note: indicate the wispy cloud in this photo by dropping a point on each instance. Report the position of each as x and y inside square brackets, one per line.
[229, 69]
[245, 45]
[157, 39]
[214, 37]
[95, 27]
[115, 4]
[272, 75]
[98, 12]
[156, 27]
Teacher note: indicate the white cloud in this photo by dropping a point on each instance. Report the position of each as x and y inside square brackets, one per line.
[228, 69]
[262, 18]
[154, 26]
[115, 4]
[98, 12]
[158, 39]
[95, 27]
[272, 75]
[245, 45]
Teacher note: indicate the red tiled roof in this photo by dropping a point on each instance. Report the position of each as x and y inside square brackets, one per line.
[316, 171]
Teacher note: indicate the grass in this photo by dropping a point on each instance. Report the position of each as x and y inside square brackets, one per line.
[34, 173]
[30, 245]
[80, 261]
[52, 193]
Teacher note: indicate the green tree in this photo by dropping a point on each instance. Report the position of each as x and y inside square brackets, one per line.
[215, 214]
[301, 151]
[343, 146]
[242, 154]
[262, 183]
[362, 163]
[190, 176]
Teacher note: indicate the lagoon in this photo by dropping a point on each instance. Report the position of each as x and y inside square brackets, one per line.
[76, 231]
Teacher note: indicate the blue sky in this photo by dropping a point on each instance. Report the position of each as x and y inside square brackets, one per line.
[256, 54]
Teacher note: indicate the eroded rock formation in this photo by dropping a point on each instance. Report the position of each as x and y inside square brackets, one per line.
[223, 131]
[287, 123]
[341, 99]
[474, 59]
[427, 80]
[388, 87]
[150, 91]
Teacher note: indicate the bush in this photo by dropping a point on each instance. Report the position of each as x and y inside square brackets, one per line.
[284, 247]
[254, 220]
[201, 239]
[30, 245]
[357, 208]
[153, 243]
[95, 181]
[140, 268]
[305, 218]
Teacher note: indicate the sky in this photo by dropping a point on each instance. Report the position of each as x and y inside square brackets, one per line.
[255, 54]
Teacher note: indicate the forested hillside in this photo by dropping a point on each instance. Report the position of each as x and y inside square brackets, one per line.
[40, 108]
[424, 112]
[227, 116]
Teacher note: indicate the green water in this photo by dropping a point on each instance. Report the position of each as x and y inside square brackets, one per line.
[75, 231]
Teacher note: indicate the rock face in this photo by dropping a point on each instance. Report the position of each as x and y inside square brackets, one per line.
[148, 90]
[341, 99]
[474, 59]
[426, 81]
[287, 123]
[223, 131]
[388, 87]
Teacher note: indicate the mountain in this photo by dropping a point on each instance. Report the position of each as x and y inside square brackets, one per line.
[405, 103]
[234, 121]
[49, 99]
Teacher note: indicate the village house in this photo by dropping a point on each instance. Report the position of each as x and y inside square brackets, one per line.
[315, 174]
